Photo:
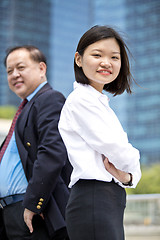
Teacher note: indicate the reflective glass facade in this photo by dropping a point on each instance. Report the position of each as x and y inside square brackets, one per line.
[144, 109]
[70, 19]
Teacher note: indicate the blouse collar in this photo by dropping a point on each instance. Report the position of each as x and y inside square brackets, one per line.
[102, 97]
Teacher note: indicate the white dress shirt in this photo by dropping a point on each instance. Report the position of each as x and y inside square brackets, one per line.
[90, 129]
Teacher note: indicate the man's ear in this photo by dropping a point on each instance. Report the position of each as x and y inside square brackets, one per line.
[43, 68]
[78, 59]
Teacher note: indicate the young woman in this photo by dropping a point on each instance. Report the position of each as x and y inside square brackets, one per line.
[103, 160]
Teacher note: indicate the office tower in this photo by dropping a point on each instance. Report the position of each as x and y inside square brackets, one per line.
[69, 20]
[142, 24]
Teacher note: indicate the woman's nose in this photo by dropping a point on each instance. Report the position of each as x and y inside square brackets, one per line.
[106, 63]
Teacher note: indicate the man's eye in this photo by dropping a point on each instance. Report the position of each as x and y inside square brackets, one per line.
[9, 72]
[21, 67]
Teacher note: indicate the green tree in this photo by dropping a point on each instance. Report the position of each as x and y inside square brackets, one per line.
[150, 181]
[7, 111]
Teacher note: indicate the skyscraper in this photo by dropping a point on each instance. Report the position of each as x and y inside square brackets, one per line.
[69, 20]
[143, 119]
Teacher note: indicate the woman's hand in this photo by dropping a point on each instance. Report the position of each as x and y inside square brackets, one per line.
[122, 176]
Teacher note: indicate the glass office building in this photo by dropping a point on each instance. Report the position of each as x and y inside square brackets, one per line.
[56, 26]
[69, 20]
[144, 110]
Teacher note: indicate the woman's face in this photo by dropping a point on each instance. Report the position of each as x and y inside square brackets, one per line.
[101, 62]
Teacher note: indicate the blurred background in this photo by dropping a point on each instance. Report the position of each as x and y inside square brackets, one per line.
[55, 26]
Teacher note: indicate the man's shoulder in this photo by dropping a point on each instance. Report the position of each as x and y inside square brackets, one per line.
[48, 93]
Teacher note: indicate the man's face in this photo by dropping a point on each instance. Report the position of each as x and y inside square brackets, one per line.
[24, 74]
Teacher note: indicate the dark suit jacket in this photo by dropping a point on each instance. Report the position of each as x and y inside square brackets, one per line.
[44, 158]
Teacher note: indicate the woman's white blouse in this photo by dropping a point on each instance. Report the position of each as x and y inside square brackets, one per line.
[90, 129]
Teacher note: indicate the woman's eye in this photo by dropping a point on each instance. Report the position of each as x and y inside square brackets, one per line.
[115, 57]
[96, 55]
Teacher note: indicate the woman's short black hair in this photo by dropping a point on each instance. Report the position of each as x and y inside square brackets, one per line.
[124, 79]
[35, 54]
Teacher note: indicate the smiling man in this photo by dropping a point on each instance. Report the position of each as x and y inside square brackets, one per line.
[34, 168]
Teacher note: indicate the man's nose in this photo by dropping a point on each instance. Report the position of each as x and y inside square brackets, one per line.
[15, 73]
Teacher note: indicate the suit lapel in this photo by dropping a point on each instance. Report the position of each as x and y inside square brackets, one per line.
[21, 122]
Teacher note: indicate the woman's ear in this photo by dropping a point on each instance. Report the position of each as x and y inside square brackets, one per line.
[78, 59]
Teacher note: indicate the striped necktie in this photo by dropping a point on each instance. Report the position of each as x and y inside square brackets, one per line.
[8, 138]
